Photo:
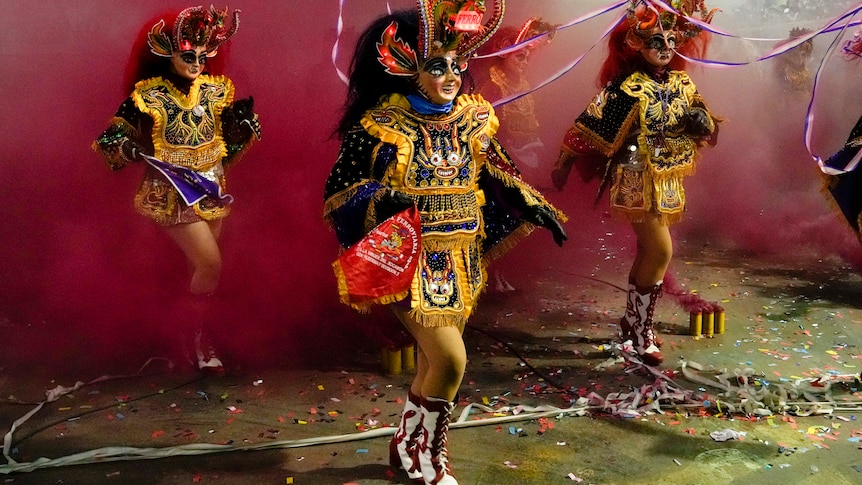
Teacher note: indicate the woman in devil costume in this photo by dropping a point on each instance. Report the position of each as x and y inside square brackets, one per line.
[410, 141]
[641, 135]
[181, 120]
[506, 75]
[842, 175]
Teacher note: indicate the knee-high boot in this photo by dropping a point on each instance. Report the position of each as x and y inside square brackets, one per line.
[403, 450]
[630, 317]
[195, 312]
[643, 330]
[433, 443]
[627, 321]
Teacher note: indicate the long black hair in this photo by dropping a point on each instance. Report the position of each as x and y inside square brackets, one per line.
[368, 79]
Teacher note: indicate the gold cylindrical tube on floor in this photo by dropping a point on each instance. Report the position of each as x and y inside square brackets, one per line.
[719, 321]
[709, 324]
[695, 324]
[392, 360]
[408, 357]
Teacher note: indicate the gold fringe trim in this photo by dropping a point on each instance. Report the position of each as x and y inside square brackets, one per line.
[605, 147]
[531, 195]
[336, 201]
[448, 242]
[680, 172]
[364, 306]
[507, 243]
[184, 101]
[439, 319]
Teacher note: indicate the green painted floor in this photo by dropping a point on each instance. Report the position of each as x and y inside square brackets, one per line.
[541, 347]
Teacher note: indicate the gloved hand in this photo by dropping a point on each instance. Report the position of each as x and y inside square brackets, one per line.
[243, 113]
[697, 122]
[243, 109]
[543, 217]
[391, 203]
[132, 150]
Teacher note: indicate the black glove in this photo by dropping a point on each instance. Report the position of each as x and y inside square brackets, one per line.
[243, 114]
[132, 150]
[391, 203]
[543, 217]
[697, 122]
[243, 109]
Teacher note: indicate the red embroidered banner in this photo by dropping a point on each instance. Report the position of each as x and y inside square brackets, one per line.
[380, 267]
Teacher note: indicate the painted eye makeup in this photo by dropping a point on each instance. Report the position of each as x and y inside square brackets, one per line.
[438, 67]
[190, 58]
[658, 42]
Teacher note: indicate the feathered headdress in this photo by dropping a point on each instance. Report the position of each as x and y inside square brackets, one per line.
[645, 19]
[444, 25]
[534, 27]
[193, 27]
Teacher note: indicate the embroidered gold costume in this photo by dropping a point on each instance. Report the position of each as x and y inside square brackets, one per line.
[519, 115]
[639, 126]
[454, 170]
[182, 129]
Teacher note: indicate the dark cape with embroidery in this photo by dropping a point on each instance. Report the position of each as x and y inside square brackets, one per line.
[846, 188]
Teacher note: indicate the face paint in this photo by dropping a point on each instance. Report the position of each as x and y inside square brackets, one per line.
[189, 64]
[517, 61]
[658, 51]
[440, 78]
[658, 42]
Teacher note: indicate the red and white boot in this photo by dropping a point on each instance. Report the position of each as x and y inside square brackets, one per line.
[637, 324]
[627, 321]
[432, 445]
[208, 361]
[403, 449]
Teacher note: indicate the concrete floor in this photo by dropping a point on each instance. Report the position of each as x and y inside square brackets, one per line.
[533, 353]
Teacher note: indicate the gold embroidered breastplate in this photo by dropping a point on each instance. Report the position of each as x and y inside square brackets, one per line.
[519, 116]
[662, 118]
[439, 159]
[187, 127]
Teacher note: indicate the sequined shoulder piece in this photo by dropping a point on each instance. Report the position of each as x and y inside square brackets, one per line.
[606, 121]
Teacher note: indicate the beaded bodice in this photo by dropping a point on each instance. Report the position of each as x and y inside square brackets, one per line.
[187, 127]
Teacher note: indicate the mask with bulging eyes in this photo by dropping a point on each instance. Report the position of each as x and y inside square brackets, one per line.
[659, 42]
[439, 80]
[189, 57]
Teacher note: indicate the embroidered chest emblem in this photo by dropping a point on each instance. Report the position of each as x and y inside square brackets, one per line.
[444, 159]
[187, 122]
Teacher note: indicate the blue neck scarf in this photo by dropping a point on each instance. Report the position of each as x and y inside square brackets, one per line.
[425, 107]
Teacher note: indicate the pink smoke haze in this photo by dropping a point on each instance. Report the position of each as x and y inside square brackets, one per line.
[75, 257]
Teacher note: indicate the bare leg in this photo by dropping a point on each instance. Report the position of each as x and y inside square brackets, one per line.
[654, 252]
[442, 358]
[199, 242]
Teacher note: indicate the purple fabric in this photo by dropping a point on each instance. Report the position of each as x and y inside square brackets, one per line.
[192, 186]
